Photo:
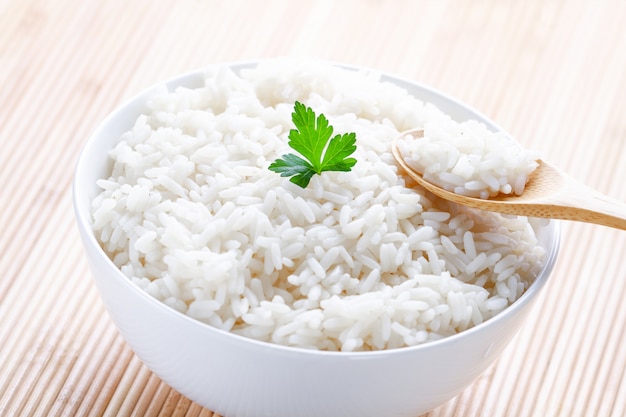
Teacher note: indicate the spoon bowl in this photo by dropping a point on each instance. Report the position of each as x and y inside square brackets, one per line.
[549, 193]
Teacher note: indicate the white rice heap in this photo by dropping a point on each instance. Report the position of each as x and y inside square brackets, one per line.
[468, 159]
[357, 261]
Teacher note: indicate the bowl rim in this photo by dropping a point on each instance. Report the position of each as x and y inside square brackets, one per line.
[81, 206]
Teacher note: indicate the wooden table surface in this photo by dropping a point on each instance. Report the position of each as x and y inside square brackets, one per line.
[551, 72]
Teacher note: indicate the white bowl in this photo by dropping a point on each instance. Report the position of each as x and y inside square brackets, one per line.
[240, 377]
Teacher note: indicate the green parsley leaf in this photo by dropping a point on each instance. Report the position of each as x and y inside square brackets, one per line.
[312, 139]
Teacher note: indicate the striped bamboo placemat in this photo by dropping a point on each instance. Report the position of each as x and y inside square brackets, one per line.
[553, 73]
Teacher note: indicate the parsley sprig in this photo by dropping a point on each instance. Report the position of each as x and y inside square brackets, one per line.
[312, 139]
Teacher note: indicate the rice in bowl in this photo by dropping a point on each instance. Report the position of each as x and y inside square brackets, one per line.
[359, 260]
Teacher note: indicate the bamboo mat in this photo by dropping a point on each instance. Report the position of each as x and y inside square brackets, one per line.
[553, 73]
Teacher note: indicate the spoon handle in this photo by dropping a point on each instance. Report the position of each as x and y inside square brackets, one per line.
[581, 203]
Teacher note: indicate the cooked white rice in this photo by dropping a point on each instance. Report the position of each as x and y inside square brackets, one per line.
[468, 159]
[357, 261]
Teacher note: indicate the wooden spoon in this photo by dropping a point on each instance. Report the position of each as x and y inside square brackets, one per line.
[549, 193]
